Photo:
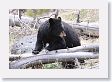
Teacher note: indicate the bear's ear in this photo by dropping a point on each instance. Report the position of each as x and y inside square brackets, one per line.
[59, 18]
[51, 21]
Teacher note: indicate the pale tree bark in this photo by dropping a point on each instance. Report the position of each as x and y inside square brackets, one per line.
[86, 51]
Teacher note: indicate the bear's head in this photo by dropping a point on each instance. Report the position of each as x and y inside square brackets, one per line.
[56, 27]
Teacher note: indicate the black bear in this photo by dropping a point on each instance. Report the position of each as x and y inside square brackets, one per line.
[58, 34]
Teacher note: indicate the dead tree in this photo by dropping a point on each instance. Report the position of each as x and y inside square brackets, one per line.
[56, 13]
[86, 51]
[78, 17]
[50, 58]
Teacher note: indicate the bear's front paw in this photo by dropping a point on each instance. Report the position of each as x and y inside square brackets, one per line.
[46, 51]
[35, 52]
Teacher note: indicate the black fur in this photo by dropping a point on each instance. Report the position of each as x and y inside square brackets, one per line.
[49, 32]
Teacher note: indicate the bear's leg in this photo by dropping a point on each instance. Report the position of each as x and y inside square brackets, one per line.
[38, 46]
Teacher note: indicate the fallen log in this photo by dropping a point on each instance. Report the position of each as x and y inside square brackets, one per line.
[49, 58]
[29, 22]
[87, 30]
[14, 20]
[25, 21]
[84, 48]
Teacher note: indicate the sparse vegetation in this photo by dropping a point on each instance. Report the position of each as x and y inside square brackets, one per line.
[36, 12]
[85, 14]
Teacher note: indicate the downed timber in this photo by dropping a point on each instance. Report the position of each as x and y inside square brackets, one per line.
[14, 20]
[87, 30]
[84, 48]
[28, 22]
[25, 21]
[49, 58]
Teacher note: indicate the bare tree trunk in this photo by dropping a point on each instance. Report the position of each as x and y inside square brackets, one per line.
[86, 51]
[84, 48]
[87, 30]
[20, 13]
[78, 17]
[56, 13]
[50, 58]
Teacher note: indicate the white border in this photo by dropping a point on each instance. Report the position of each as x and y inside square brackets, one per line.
[102, 72]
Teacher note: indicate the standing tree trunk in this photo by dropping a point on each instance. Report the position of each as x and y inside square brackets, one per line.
[78, 17]
[20, 13]
[56, 12]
